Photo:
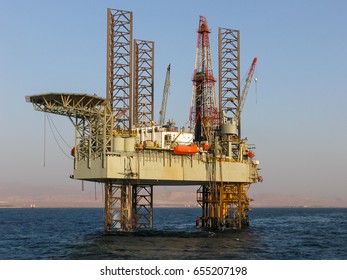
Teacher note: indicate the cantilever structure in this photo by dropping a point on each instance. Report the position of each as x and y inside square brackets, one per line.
[118, 144]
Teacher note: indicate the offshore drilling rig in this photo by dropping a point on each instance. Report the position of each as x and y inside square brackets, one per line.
[117, 142]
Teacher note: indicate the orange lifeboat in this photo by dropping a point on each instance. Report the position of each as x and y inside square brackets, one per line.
[186, 150]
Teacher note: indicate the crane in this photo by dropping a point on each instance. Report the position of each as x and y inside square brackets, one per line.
[245, 89]
[165, 95]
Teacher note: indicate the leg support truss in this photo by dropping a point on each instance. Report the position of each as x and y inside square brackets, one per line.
[128, 207]
[223, 206]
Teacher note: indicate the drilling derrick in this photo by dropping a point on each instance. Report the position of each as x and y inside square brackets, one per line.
[118, 144]
[203, 110]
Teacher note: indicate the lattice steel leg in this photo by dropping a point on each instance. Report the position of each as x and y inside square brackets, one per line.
[223, 206]
[142, 206]
[117, 214]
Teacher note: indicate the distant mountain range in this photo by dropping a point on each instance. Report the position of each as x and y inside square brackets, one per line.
[188, 198]
[163, 197]
[288, 200]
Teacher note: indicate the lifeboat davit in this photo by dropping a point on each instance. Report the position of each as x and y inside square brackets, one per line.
[186, 149]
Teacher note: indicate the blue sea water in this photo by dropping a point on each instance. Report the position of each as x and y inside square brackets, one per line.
[284, 234]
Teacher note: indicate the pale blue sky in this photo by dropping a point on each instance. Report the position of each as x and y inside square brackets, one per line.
[297, 116]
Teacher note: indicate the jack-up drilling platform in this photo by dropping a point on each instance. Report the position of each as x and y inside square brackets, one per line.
[118, 144]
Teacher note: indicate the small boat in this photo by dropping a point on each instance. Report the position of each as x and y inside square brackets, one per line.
[186, 149]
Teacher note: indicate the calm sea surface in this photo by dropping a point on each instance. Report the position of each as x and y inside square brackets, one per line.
[78, 234]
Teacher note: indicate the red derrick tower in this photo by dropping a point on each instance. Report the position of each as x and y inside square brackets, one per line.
[203, 110]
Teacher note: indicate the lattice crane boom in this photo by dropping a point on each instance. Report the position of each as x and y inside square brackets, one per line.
[166, 92]
[246, 89]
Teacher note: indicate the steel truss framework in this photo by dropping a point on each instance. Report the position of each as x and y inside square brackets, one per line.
[166, 92]
[224, 205]
[143, 83]
[203, 110]
[128, 207]
[119, 66]
[229, 72]
[142, 206]
[90, 115]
